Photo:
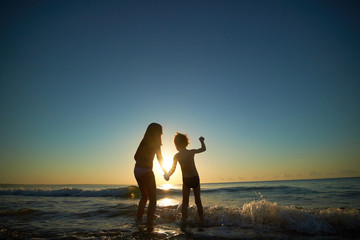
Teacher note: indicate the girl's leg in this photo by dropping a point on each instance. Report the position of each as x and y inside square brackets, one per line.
[185, 203]
[198, 203]
[143, 199]
[151, 188]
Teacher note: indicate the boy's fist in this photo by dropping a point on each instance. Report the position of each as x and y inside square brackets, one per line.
[201, 139]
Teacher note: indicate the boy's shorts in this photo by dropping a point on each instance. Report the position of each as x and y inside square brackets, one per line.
[191, 182]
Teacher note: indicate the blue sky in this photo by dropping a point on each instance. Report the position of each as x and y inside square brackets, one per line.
[271, 85]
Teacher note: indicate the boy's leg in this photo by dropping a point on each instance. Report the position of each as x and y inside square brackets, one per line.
[198, 203]
[185, 204]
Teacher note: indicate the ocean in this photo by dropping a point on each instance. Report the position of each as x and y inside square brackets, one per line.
[297, 209]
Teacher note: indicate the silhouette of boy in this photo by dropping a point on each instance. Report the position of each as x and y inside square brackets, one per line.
[191, 179]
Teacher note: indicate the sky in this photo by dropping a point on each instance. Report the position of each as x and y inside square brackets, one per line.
[272, 86]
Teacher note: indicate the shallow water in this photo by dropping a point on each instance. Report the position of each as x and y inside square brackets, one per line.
[302, 209]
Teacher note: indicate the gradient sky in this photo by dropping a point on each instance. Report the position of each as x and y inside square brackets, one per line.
[273, 86]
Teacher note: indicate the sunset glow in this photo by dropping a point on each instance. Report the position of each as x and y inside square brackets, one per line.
[167, 162]
[274, 97]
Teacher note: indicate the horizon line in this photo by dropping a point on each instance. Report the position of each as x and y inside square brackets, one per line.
[250, 181]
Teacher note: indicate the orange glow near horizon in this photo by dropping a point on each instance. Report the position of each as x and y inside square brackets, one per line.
[168, 155]
[167, 162]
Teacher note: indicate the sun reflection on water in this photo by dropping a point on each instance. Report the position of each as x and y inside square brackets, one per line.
[166, 186]
[165, 202]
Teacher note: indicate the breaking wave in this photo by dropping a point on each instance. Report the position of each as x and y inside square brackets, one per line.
[265, 215]
[126, 192]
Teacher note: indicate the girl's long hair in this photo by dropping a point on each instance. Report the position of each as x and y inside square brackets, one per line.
[153, 134]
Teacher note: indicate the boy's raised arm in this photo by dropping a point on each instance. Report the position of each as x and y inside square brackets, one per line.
[203, 147]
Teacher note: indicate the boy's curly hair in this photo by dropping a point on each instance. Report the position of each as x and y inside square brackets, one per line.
[181, 140]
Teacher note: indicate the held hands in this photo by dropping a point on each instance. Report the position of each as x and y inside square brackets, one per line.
[166, 174]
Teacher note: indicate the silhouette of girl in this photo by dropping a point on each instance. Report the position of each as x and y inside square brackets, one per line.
[144, 156]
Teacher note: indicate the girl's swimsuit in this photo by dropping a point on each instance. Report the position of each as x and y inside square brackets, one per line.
[145, 179]
[191, 182]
